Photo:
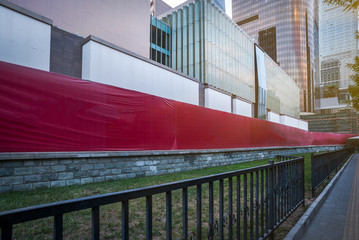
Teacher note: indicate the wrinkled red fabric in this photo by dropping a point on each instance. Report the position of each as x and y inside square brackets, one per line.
[42, 111]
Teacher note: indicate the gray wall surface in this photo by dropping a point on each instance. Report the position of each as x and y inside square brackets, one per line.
[65, 53]
[27, 171]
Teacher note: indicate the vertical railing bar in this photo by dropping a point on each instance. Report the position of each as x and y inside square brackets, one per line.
[262, 203]
[199, 211]
[230, 208]
[303, 181]
[238, 227]
[58, 227]
[257, 204]
[221, 209]
[290, 186]
[245, 207]
[275, 191]
[251, 203]
[184, 213]
[169, 215]
[149, 217]
[282, 191]
[210, 214]
[267, 201]
[95, 223]
[286, 188]
[125, 220]
[271, 197]
[6, 232]
[280, 208]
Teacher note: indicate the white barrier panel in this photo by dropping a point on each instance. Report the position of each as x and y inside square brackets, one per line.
[273, 117]
[24, 40]
[218, 101]
[242, 108]
[303, 125]
[110, 66]
[289, 121]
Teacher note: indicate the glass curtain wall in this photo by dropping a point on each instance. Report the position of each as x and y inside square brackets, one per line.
[209, 46]
[160, 46]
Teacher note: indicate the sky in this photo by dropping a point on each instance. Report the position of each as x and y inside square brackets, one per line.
[174, 3]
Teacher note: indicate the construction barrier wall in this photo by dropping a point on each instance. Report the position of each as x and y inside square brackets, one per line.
[42, 111]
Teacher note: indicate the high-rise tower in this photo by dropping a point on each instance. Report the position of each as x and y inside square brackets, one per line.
[288, 31]
[338, 47]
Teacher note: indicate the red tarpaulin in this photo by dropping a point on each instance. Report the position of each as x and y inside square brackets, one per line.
[42, 112]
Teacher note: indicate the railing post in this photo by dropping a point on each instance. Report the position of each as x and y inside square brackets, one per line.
[6, 232]
[314, 170]
[271, 199]
[303, 181]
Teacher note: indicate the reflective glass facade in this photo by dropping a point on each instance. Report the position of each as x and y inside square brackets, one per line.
[160, 44]
[221, 4]
[207, 45]
[338, 47]
[296, 26]
[282, 91]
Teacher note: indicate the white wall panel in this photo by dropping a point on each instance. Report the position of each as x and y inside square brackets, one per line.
[242, 108]
[24, 40]
[303, 125]
[273, 117]
[289, 121]
[218, 101]
[109, 66]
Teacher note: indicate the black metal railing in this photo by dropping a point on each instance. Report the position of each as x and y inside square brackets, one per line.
[246, 204]
[281, 158]
[324, 164]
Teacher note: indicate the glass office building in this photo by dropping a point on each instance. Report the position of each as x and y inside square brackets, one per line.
[338, 47]
[207, 45]
[160, 44]
[288, 31]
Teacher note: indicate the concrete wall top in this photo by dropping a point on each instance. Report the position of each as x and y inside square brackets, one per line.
[106, 63]
[104, 154]
[218, 100]
[125, 23]
[24, 37]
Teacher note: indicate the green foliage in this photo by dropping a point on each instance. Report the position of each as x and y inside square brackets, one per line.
[354, 89]
[347, 4]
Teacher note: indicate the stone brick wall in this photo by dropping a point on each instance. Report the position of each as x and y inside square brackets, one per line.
[26, 171]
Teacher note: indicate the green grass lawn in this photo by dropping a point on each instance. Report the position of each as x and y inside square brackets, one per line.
[77, 225]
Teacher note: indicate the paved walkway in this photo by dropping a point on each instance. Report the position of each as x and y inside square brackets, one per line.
[338, 218]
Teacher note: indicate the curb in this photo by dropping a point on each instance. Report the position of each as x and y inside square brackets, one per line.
[301, 226]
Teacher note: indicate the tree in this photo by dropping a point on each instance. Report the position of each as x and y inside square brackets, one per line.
[353, 89]
[347, 4]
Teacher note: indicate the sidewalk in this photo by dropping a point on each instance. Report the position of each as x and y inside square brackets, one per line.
[338, 218]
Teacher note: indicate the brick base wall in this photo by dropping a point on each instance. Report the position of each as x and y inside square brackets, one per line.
[26, 171]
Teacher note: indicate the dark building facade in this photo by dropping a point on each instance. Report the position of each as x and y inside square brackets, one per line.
[288, 31]
[160, 45]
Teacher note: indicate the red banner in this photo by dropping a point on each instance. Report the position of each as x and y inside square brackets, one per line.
[42, 112]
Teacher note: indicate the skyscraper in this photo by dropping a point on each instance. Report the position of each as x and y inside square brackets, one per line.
[288, 31]
[338, 47]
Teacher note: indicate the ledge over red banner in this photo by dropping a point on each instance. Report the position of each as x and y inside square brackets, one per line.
[42, 111]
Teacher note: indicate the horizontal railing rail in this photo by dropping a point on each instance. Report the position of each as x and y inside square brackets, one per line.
[247, 204]
[281, 158]
[324, 164]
